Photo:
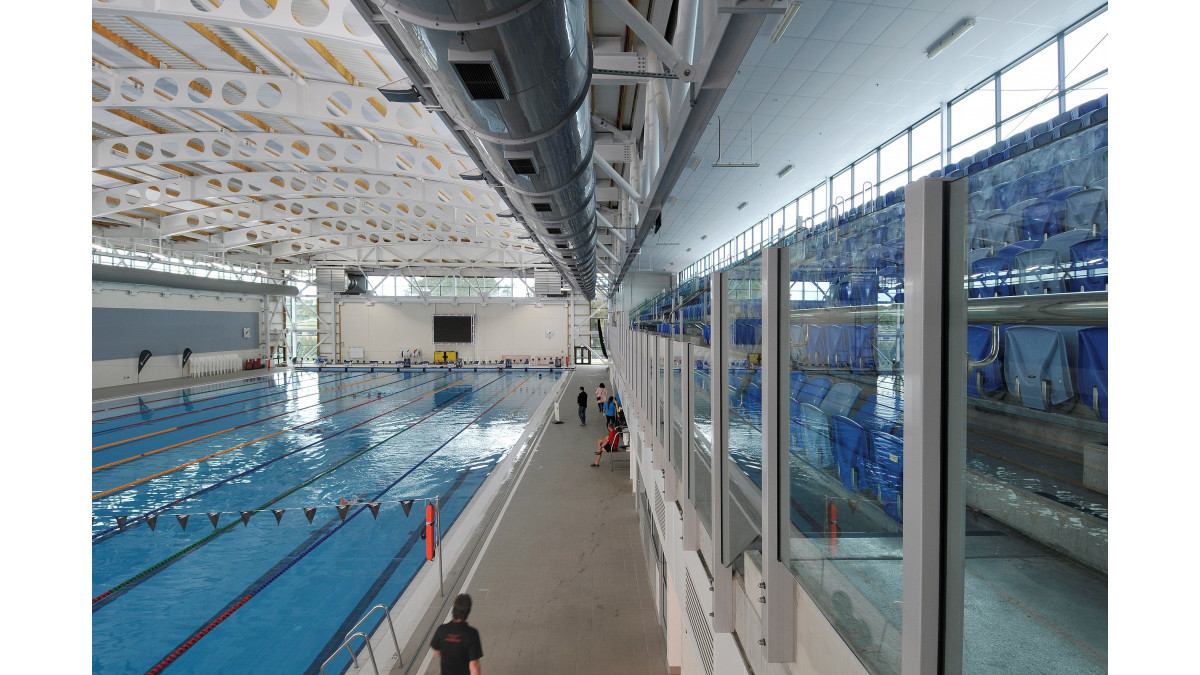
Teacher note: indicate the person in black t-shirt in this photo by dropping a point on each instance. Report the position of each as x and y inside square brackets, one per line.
[582, 401]
[456, 643]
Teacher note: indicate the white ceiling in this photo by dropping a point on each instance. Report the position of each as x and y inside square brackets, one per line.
[845, 77]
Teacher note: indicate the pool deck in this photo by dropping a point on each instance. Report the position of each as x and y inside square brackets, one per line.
[562, 585]
[173, 384]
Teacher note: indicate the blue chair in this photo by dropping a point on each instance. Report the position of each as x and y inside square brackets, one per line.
[851, 443]
[1092, 370]
[837, 349]
[1036, 369]
[840, 399]
[815, 435]
[1087, 107]
[814, 390]
[862, 347]
[1000, 229]
[1038, 271]
[1086, 210]
[881, 413]
[1061, 243]
[888, 452]
[796, 383]
[862, 289]
[988, 380]
[990, 278]
[816, 345]
[1037, 215]
[1089, 265]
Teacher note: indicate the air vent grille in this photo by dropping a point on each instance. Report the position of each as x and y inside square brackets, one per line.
[522, 166]
[660, 511]
[699, 623]
[482, 81]
[553, 230]
[542, 207]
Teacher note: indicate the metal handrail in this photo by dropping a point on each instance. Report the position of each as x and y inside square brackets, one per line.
[352, 656]
[395, 640]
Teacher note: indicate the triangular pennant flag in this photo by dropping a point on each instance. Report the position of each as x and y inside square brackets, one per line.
[278, 514]
[342, 509]
[121, 522]
[246, 517]
[309, 512]
[407, 505]
[374, 506]
[182, 521]
[152, 520]
[214, 517]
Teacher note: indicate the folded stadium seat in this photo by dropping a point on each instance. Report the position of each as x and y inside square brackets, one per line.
[888, 466]
[1004, 195]
[1036, 216]
[975, 166]
[1099, 165]
[840, 399]
[1038, 129]
[1061, 119]
[837, 348]
[1089, 265]
[1019, 148]
[980, 202]
[1001, 229]
[997, 148]
[900, 194]
[816, 345]
[1097, 119]
[881, 413]
[1087, 107]
[989, 278]
[814, 390]
[957, 173]
[1036, 369]
[977, 254]
[707, 330]
[1062, 243]
[851, 443]
[1092, 369]
[862, 289]
[936, 173]
[1038, 271]
[872, 257]
[815, 436]
[796, 382]
[1067, 128]
[861, 338]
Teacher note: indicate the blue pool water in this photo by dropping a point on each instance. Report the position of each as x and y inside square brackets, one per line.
[264, 597]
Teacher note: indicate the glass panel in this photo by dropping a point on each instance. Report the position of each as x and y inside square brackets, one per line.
[1042, 113]
[1036, 564]
[742, 358]
[660, 390]
[820, 203]
[788, 219]
[1085, 50]
[840, 189]
[927, 141]
[973, 113]
[893, 158]
[700, 465]
[1088, 91]
[866, 175]
[845, 454]
[968, 149]
[927, 167]
[678, 352]
[1033, 81]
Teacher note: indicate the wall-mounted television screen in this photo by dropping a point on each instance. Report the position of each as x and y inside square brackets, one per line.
[452, 328]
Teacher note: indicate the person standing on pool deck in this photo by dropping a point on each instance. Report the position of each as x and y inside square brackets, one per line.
[601, 397]
[610, 411]
[456, 643]
[581, 399]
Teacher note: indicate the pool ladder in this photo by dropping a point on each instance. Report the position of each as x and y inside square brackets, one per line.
[353, 633]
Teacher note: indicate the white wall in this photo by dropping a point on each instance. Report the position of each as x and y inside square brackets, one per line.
[161, 367]
[638, 286]
[384, 329]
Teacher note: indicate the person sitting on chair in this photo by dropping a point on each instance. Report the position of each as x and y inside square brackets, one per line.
[608, 443]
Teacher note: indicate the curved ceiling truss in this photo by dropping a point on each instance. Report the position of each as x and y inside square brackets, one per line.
[254, 129]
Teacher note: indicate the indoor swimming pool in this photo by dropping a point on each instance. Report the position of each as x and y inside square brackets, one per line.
[217, 541]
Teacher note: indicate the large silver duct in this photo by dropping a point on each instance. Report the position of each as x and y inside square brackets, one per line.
[516, 74]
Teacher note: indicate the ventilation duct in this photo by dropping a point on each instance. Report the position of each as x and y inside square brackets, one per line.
[516, 75]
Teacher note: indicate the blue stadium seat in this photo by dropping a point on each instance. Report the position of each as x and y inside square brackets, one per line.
[1092, 370]
[837, 348]
[840, 399]
[815, 435]
[814, 390]
[796, 382]
[1036, 217]
[862, 347]
[987, 380]
[1089, 265]
[1000, 229]
[879, 412]
[1004, 195]
[888, 467]
[816, 345]
[862, 289]
[1036, 369]
[851, 443]
[1087, 107]
[1086, 210]
[1061, 243]
[1038, 271]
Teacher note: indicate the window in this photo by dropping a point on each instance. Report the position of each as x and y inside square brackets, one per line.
[893, 158]
[1084, 50]
[1087, 91]
[841, 191]
[973, 113]
[926, 141]
[866, 175]
[1033, 81]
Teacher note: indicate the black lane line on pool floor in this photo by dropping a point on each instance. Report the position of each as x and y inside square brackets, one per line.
[368, 599]
[183, 392]
[107, 597]
[186, 401]
[288, 393]
[255, 590]
[111, 531]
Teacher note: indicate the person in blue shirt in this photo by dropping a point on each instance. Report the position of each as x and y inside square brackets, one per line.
[610, 410]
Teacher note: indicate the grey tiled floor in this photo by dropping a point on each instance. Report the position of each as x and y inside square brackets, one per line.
[563, 588]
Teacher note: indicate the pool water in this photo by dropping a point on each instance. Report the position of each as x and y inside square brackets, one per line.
[266, 597]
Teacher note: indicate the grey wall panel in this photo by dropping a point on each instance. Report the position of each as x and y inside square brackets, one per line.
[121, 333]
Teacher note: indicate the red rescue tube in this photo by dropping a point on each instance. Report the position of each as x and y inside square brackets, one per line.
[429, 542]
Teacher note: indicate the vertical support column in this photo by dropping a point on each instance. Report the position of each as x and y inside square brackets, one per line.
[671, 481]
[723, 608]
[934, 433]
[778, 613]
[690, 522]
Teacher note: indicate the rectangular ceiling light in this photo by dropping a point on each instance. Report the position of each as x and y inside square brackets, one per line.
[785, 21]
[786, 170]
[948, 39]
[742, 205]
